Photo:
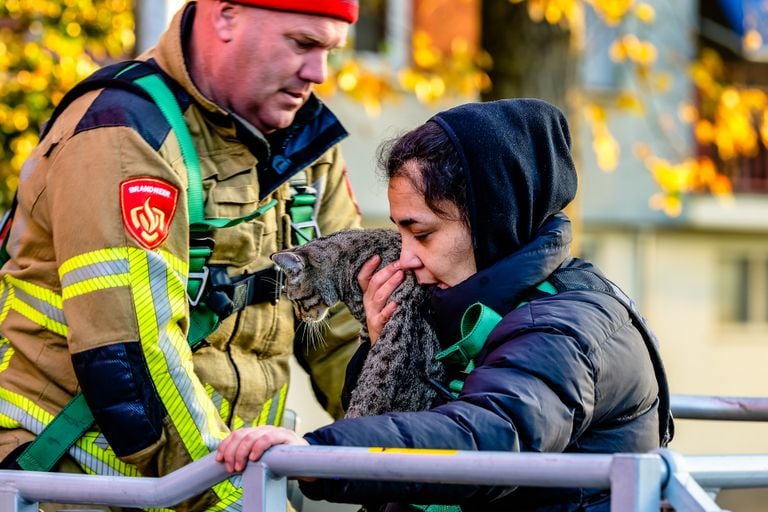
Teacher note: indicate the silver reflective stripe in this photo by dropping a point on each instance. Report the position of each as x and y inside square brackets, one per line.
[101, 269]
[159, 272]
[43, 307]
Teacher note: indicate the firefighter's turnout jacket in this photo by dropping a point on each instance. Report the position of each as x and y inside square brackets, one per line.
[93, 298]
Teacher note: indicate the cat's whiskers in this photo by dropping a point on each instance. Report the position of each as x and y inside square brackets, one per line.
[314, 334]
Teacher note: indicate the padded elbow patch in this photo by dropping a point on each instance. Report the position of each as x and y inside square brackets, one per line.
[119, 390]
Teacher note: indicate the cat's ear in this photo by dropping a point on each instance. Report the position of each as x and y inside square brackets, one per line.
[289, 262]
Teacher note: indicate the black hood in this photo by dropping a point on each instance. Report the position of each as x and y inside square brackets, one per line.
[517, 158]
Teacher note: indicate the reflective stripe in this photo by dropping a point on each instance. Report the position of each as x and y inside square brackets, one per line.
[38, 304]
[26, 413]
[90, 258]
[272, 412]
[159, 299]
[98, 270]
[5, 300]
[6, 351]
[52, 313]
[157, 281]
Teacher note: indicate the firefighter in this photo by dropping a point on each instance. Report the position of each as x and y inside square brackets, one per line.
[139, 288]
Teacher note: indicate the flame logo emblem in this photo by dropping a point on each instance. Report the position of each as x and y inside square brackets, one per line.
[148, 206]
[148, 222]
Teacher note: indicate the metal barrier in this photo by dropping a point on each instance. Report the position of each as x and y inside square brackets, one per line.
[638, 482]
[726, 408]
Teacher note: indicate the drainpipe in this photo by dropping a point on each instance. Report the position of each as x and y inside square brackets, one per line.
[152, 17]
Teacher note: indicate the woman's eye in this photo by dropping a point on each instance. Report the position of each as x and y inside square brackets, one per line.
[421, 236]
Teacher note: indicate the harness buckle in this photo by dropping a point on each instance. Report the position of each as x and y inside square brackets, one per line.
[240, 294]
[203, 278]
[312, 223]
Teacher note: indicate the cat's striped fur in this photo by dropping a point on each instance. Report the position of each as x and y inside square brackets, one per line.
[395, 374]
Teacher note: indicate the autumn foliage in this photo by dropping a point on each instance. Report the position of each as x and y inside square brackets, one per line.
[46, 47]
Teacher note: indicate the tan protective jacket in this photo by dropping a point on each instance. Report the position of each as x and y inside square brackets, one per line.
[88, 289]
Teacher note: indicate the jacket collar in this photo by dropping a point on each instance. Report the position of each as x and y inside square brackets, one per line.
[503, 285]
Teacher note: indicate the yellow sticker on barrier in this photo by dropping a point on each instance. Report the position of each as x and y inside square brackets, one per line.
[413, 451]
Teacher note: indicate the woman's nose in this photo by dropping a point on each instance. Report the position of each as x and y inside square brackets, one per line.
[408, 259]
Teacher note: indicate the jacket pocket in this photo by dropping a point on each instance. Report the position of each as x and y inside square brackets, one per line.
[238, 245]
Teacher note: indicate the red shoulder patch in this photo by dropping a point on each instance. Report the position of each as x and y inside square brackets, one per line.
[148, 205]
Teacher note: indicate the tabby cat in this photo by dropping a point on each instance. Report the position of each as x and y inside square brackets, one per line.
[396, 372]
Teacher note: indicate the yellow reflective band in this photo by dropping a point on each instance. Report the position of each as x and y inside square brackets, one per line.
[412, 451]
[272, 410]
[281, 405]
[38, 292]
[8, 422]
[5, 346]
[230, 502]
[39, 318]
[29, 415]
[218, 401]
[97, 458]
[7, 292]
[95, 284]
[159, 300]
[265, 412]
[178, 265]
[89, 258]
[43, 297]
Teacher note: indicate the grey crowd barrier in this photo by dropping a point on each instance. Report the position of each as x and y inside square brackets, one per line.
[638, 482]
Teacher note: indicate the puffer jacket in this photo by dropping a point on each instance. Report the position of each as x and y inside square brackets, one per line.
[93, 297]
[562, 373]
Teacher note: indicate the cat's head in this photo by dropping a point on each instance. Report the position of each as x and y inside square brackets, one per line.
[307, 284]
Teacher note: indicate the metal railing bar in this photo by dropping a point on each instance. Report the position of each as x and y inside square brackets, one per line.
[636, 483]
[141, 492]
[459, 467]
[445, 466]
[729, 471]
[724, 408]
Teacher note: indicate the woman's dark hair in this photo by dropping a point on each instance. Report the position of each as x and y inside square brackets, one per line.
[442, 177]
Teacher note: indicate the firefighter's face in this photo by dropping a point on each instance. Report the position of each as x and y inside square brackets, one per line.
[272, 60]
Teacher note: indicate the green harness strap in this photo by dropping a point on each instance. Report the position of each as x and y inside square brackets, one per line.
[302, 209]
[202, 320]
[436, 508]
[75, 418]
[58, 436]
[477, 322]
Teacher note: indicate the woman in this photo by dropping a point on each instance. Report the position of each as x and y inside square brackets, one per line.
[477, 193]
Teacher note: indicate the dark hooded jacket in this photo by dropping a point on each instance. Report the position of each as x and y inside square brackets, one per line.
[568, 372]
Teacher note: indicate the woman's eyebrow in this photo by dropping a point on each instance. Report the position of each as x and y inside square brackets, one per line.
[404, 222]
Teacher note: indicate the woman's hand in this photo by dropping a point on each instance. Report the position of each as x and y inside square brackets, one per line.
[377, 287]
[249, 444]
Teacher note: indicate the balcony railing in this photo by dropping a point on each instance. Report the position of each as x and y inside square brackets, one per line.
[638, 482]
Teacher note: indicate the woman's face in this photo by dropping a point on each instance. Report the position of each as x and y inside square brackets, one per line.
[438, 249]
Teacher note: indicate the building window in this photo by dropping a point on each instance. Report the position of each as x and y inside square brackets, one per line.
[599, 72]
[743, 289]
[371, 27]
[383, 31]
